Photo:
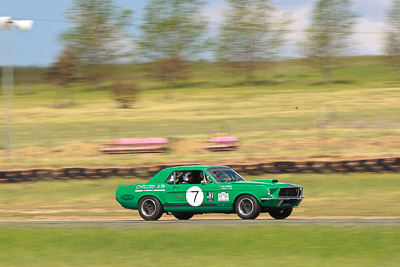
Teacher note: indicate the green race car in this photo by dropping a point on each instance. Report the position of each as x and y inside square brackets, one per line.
[188, 190]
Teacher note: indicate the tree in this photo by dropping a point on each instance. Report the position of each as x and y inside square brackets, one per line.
[250, 33]
[63, 73]
[172, 33]
[328, 35]
[124, 93]
[392, 38]
[98, 35]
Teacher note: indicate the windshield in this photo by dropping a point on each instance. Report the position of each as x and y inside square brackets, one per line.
[223, 175]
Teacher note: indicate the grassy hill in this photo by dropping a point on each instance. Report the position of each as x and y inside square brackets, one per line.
[286, 112]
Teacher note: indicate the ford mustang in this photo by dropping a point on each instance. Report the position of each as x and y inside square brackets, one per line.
[188, 190]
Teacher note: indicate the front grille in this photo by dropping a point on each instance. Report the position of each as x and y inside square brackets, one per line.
[290, 192]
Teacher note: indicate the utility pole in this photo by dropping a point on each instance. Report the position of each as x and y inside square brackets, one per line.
[6, 24]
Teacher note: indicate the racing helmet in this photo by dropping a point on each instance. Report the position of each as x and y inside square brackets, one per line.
[186, 176]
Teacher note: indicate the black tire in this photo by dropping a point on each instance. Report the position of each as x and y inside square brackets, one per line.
[183, 215]
[247, 207]
[280, 214]
[150, 208]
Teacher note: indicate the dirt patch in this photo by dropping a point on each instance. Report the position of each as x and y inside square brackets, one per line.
[196, 217]
[322, 157]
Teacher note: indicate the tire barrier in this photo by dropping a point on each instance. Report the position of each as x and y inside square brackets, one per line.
[146, 172]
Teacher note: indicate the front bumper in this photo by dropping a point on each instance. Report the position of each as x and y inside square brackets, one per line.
[281, 202]
[280, 198]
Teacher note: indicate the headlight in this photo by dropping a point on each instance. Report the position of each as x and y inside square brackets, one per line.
[268, 192]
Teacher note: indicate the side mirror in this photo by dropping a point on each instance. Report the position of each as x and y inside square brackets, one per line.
[203, 182]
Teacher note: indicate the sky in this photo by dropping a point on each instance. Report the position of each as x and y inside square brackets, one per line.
[40, 46]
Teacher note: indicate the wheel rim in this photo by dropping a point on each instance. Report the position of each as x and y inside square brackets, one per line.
[149, 207]
[246, 206]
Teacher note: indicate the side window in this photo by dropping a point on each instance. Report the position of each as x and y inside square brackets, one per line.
[205, 178]
[196, 177]
[189, 177]
[171, 178]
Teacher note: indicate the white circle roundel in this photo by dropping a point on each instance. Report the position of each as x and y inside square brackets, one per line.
[194, 196]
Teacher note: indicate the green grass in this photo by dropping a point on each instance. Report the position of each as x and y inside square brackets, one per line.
[332, 195]
[201, 245]
[278, 115]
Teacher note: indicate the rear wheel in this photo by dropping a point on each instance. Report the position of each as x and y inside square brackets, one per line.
[183, 215]
[247, 207]
[150, 208]
[280, 214]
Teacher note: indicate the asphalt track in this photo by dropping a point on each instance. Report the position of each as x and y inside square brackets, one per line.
[207, 222]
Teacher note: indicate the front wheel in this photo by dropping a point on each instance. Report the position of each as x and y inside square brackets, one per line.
[280, 214]
[183, 215]
[150, 208]
[247, 207]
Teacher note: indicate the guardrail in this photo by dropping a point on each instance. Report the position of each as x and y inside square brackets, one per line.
[344, 166]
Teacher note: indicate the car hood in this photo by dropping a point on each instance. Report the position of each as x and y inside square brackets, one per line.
[269, 182]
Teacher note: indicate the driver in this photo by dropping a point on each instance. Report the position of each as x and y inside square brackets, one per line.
[187, 178]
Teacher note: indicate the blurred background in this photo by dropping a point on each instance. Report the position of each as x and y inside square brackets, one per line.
[208, 82]
[304, 79]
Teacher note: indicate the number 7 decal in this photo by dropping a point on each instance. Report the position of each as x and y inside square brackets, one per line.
[197, 192]
[194, 196]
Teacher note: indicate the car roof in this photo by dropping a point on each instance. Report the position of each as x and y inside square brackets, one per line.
[194, 167]
[162, 175]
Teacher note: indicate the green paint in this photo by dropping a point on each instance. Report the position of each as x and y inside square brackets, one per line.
[210, 193]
